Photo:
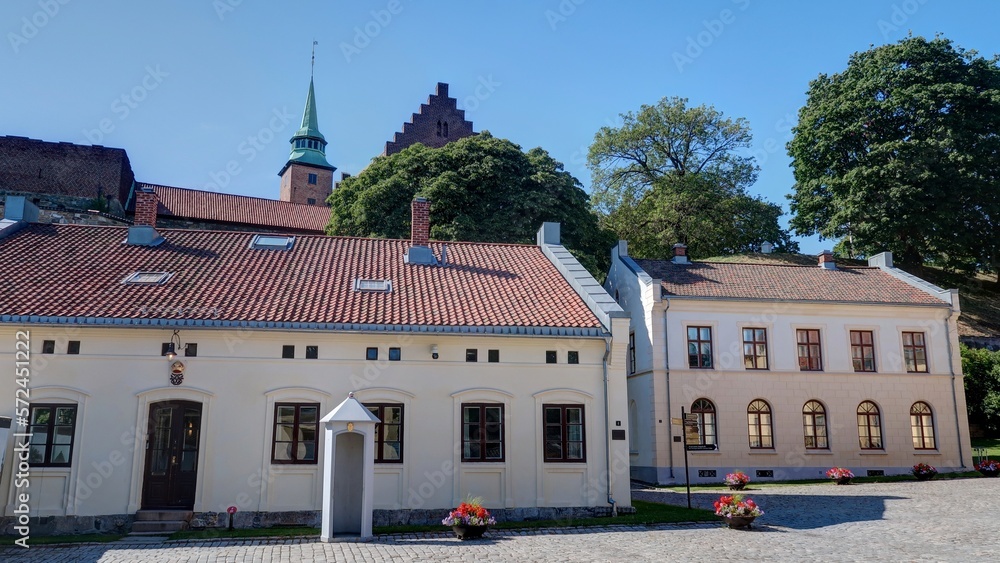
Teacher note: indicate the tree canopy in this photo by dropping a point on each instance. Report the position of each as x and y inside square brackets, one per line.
[901, 152]
[982, 386]
[481, 188]
[672, 173]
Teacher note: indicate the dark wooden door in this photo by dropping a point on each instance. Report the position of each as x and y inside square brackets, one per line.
[171, 472]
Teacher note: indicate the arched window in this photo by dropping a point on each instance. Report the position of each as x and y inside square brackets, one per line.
[439, 128]
[445, 128]
[705, 411]
[633, 427]
[759, 425]
[922, 425]
[814, 426]
[869, 426]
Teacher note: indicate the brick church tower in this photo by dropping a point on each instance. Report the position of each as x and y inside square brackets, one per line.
[438, 123]
[307, 177]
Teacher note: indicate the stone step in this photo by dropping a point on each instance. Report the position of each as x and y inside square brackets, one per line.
[157, 515]
[158, 526]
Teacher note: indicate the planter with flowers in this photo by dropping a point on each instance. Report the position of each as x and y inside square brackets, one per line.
[470, 520]
[737, 513]
[923, 472]
[737, 480]
[840, 475]
[989, 467]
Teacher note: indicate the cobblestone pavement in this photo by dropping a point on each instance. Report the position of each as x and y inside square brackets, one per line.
[909, 521]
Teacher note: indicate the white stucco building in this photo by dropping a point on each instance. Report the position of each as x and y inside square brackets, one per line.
[789, 370]
[497, 370]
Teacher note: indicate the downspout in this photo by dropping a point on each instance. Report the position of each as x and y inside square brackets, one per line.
[954, 394]
[607, 424]
[666, 368]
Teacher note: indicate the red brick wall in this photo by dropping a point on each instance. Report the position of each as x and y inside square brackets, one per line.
[295, 186]
[423, 126]
[41, 167]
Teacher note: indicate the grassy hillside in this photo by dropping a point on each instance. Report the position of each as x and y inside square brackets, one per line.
[978, 295]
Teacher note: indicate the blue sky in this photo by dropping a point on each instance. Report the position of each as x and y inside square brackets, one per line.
[193, 88]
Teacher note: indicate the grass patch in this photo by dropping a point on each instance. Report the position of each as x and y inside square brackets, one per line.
[992, 446]
[646, 513]
[74, 538]
[222, 533]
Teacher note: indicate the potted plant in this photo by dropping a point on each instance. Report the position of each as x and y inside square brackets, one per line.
[470, 520]
[737, 480]
[989, 467]
[923, 472]
[737, 513]
[840, 475]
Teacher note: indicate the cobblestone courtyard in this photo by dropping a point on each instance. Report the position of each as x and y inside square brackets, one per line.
[909, 521]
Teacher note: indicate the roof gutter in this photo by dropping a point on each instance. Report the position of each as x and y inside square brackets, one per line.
[804, 301]
[579, 332]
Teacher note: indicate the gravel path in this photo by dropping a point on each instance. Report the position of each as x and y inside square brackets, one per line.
[908, 521]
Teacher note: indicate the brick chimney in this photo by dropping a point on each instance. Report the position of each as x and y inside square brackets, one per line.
[145, 207]
[420, 234]
[143, 231]
[420, 221]
[680, 253]
[826, 260]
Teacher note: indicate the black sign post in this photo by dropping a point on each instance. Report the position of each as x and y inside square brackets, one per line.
[687, 476]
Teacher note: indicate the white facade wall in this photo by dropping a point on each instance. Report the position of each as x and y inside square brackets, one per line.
[238, 376]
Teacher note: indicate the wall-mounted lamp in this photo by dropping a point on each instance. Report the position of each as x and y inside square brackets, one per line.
[434, 351]
[173, 346]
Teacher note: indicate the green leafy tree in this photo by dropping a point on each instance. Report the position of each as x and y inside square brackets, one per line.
[900, 152]
[982, 386]
[672, 173]
[481, 188]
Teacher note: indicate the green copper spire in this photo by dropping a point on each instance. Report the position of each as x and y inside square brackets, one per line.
[310, 123]
[308, 144]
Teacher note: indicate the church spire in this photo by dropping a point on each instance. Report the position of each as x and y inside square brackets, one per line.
[308, 144]
[307, 176]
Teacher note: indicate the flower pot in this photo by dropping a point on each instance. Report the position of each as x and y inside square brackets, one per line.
[924, 476]
[843, 481]
[737, 486]
[739, 522]
[989, 473]
[467, 532]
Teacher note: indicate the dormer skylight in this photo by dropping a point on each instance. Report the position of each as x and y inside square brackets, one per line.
[375, 286]
[147, 278]
[272, 242]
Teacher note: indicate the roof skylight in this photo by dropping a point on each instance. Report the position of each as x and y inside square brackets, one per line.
[147, 278]
[383, 286]
[272, 242]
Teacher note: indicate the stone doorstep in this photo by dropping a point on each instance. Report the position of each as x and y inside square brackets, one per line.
[162, 515]
[158, 526]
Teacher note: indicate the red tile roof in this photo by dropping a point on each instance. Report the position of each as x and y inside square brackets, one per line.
[784, 283]
[77, 271]
[229, 208]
